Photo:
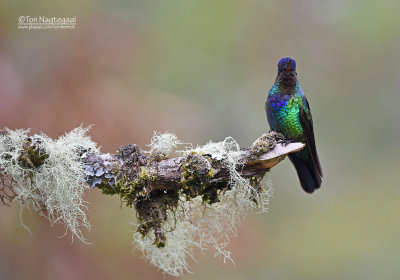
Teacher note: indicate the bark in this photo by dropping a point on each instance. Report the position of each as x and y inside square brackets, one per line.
[158, 172]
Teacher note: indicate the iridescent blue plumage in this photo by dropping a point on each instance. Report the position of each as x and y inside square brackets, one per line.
[288, 112]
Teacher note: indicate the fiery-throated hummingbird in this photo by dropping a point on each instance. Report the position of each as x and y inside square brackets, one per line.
[288, 112]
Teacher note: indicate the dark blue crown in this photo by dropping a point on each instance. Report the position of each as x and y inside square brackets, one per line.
[286, 64]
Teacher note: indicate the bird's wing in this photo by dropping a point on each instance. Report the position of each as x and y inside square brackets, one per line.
[270, 111]
[308, 128]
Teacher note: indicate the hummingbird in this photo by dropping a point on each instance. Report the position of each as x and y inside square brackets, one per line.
[288, 112]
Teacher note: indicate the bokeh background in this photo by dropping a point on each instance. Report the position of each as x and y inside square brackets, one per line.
[202, 69]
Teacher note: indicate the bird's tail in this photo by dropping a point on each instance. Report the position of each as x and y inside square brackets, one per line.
[309, 177]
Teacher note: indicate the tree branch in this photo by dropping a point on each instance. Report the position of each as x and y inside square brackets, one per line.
[161, 187]
[103, 169]
[130, 172]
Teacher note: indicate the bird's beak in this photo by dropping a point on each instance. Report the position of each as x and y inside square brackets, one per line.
[288, 65]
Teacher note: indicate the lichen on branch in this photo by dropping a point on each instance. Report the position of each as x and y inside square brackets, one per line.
[184, 197]
[202, 192]
[46, 175]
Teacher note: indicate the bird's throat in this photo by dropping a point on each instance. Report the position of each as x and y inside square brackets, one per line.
[287, 82]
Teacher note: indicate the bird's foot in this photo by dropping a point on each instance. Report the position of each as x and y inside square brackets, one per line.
[285, 142]
[279, 138]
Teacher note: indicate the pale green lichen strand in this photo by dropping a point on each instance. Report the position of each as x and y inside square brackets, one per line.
[195, 224]
[54, 188]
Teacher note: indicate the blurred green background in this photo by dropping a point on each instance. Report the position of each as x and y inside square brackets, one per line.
[202, 69]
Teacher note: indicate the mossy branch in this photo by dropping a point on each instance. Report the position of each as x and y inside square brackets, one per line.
[133, 173]
[130, 172]
[154, 183]
[171, 190]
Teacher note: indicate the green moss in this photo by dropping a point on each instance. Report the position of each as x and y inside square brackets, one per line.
[115, 169]
[210, 195]
[106, 188]
[130, 189]
[255, 182]
[152, 213]
[31, 156]
[196, 175]
[151, 206]
[266, 142]
[159, 157]
[145, 176]
[261, 147]
[210, 173]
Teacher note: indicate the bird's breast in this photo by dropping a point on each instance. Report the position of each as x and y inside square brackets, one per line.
[283, 116]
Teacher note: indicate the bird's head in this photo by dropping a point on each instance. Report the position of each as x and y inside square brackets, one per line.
[286, 64]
